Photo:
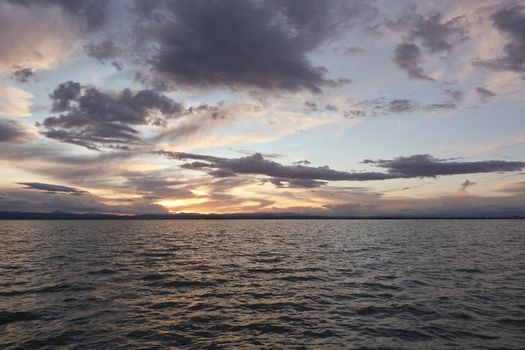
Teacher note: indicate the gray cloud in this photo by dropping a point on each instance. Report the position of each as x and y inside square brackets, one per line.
[105, 51]
[155, 186]
[408, 57]
[22, 75]
[353, 51]
[456, 95]
[50, 188]
[510, 20]
[92, 13]
[237, 43]
[466, 184]
[311, 105]
[401, 105]
[401, 167]
[11, 131]
[296, 183]
[424, 165]
[484, 93]
[445, 206]
[94, 118]
[383, 106]
[38, 201]
[434, 34]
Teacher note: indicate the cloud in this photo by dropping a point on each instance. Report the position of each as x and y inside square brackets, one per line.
[92, 13]
[22, 75]
[50, 188]
[155, 186]
[445, 206]
[95, 119]
[14, 101]
[353, 51]
[512, 187]
[243, 44]
[105, 51]
[296, 183]
[462, 191]
[11, 131]
[510, 20]
[424, 165]
[401, 105]
[430, 32]
[383, 106]
[416, 166]
[484, 93]
[37, 201]
[408, 57]
[34, 37]
[467, 183]
[434, 34]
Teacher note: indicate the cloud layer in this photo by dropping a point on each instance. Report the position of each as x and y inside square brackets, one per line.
[416, 166]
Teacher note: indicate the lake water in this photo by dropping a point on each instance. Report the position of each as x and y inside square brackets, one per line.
[259, 284]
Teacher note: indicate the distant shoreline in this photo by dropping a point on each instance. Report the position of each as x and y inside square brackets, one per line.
[252, 216]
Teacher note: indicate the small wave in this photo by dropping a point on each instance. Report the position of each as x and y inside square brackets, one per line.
[467, 270]
[520, 323]
[102, 272]
[189, 284]
[168, 305]
[48, 289]
[269, 270]
[327, 333]
[295, 278]
[17, 316]
[154, 277]
[393, 311]
[276, 306]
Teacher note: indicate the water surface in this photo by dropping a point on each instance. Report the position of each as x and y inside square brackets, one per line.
[258, 284]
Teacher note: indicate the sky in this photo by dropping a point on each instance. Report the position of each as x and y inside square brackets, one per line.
[354, 108]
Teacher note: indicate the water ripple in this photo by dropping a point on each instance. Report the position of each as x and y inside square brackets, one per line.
[357, 284]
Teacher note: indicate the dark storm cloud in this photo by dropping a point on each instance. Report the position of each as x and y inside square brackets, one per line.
[50, 188]
[408, 57]
[11, 131]
[22, 75]
[239, 43]
[93, 13]
[484, 93]
[94, 118]
[510, 21]
[401, 167]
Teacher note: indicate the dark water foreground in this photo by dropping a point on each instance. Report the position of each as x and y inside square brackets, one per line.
[406, 284]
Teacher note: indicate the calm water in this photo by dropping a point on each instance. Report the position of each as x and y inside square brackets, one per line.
[262, 284]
